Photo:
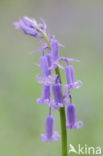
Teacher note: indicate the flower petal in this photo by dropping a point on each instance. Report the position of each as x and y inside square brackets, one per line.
[55, 106]
[49, 80]
[55, 137]
[78, 124]
[74, 85]
[68, 60]
[44, 47]
[43, 101]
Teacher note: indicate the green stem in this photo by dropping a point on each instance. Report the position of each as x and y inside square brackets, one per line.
[63, 131]
[61, 110]
[63, 123]
[45, 36]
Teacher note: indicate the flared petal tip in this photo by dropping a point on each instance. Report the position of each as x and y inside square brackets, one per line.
[54, 137]
[55, 106]
[77, 125]
[43, 101]
[55, 65]
[74, 85]
[47, 81]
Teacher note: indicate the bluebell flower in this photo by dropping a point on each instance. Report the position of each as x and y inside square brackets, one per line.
[58, 101]
[30, 26]
[54, 53]
[51, 135]
[72, 122]
[54, 50]
[72, 84]
[46, 95]
[46, 78]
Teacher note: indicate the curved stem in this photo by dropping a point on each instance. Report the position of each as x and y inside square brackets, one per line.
[45, 36]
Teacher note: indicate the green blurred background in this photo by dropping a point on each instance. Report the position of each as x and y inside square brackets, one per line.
[78, 25]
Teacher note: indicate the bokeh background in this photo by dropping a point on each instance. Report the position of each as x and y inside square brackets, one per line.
[78, 25]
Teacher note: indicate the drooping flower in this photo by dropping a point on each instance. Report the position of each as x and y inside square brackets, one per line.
[54, 50]
[72, 84]
[49, 60]
[44, 66]
[51, 135]
[46, 95]
[72, 122]
[29, 26]
[46, 73]
[58, 95]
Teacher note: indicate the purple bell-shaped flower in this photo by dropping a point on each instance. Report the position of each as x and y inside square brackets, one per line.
[58, 95]
[72, 122]
[51, 135]
[49, 60]
[54, 50]
[54, 53]
[44, 66]
[46, 95]
[72, 84]
[46, 72]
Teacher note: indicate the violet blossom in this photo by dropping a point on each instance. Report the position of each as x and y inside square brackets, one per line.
[72, 84]
[58, 101]
[51, 135]
[72, 122]
[46, 78]
[46, 95]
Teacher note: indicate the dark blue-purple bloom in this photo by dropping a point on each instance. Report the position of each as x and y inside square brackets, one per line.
[72, 122]
[51, 135]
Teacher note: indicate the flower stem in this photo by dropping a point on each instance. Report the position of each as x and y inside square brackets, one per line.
[63, 123]
[63, 131]
[45, 36]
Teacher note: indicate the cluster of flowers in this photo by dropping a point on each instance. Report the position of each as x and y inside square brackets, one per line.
[49, 61]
